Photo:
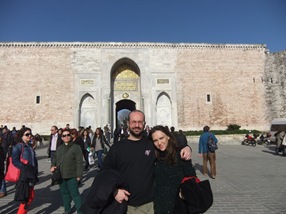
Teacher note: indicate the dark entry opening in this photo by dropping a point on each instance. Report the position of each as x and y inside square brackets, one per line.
[123, 107]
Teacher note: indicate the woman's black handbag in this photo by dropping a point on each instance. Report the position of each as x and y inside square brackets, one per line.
[56, 176]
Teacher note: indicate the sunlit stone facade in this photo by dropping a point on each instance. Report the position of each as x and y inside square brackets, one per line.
[182, 85]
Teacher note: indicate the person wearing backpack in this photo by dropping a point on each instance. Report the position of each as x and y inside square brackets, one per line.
[206, 154]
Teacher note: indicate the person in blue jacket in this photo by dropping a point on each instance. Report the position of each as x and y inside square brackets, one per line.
[24, 158]
[206, 154]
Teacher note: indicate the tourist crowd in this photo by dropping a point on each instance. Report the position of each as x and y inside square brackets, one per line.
[129, 162]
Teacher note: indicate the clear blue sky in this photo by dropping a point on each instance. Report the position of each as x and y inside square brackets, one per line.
[173, 21]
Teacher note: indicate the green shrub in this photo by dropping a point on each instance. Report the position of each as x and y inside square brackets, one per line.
[232, 127]
[222, 132]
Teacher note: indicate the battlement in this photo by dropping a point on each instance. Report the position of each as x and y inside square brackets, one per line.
[132, 45]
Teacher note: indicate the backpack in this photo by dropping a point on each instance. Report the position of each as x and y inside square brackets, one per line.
[212, 145]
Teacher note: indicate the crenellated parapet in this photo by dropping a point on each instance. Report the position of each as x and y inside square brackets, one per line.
[132, 45]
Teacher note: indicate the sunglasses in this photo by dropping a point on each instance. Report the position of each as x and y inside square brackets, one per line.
[66, 135]
[28, 134]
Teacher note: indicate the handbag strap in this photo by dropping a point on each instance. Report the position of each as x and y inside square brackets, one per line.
[22, 151]
[191, 177]
[21, 156]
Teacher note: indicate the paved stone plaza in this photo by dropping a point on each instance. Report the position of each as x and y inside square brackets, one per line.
[249, 180]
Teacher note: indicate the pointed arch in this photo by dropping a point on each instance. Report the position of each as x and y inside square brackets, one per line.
[164, 109]
[87, 111]
[125, 87]
[84, 97]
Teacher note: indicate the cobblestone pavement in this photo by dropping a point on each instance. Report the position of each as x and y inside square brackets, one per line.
[249, 180]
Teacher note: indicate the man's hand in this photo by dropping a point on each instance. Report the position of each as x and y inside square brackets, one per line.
[53, 168]
[121, 195]
[186, 153]
[200, 155]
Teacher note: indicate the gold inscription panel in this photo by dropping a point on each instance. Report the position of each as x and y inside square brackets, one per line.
[86, 82]
[125, 85]
[163, 81]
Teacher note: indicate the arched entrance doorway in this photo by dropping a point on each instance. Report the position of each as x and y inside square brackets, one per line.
[126, 90]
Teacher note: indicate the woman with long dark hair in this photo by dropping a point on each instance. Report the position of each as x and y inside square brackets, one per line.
[169, 171]
[97, 145]
[77, 139]
[24, 158]
[87, 143]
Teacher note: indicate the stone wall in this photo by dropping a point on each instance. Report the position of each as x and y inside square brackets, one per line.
[231, 77]
[275, 84]
[28, 72]
[234, 77]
